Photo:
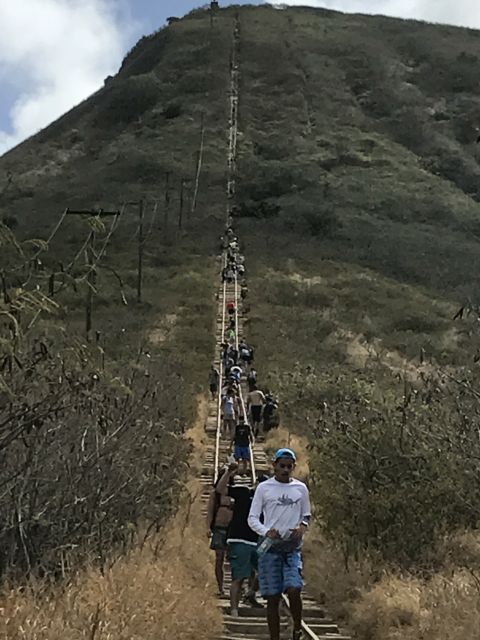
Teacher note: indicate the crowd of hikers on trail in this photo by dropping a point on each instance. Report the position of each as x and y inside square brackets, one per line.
[259, 529]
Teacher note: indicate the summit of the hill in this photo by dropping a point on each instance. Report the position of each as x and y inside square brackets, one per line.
[360, 131]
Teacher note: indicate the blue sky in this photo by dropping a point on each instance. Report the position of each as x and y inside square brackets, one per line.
[50, 61]
[55, 53]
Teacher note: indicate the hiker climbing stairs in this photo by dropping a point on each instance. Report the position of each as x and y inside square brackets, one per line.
[252, 622]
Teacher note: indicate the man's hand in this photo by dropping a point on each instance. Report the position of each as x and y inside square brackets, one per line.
[273, 533]
[298, 533]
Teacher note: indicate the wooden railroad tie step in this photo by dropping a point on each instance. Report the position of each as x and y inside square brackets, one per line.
[266, 636]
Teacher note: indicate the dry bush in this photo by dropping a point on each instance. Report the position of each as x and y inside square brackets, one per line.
[387, 608]
[446, 607]
[161, 591]
[85, 458]
[330, 579]
[461, 550]
[282, 437]
[85, 449]
[394, 477]
[450, 608]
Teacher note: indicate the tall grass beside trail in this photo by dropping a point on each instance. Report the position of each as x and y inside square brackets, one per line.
[380, 604]
[161, 591]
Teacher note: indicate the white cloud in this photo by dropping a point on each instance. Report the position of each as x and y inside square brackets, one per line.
[57, 52]
[465, 13]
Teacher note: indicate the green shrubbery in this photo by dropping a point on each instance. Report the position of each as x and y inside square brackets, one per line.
[320, 221]
[124, 101]
[391, 479]
[172, 110]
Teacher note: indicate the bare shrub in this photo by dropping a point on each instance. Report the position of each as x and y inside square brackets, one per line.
[391, 479]
[85, 452]
[141, 596]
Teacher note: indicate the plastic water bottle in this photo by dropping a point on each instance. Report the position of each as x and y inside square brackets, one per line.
[264, 546]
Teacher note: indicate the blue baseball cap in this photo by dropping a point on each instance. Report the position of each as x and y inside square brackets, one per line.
[285, 453]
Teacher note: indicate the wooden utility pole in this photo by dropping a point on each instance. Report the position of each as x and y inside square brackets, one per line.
[180, 212]
[213, 9]
[198, 164]
[91, 274]
[90, 285]
[51, 285]
[140, 251]
[167, 204]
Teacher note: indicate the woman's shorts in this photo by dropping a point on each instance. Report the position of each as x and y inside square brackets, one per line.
[218, 541]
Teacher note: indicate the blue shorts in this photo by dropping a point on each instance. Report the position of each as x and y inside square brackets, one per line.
[241, 453]
[278, 572]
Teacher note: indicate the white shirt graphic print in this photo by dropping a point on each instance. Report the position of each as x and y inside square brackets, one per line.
[283, 505]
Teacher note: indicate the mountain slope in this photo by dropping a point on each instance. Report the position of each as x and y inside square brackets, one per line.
[358, 203]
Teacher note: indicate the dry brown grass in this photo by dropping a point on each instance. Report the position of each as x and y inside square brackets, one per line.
[447, 607]
[328, 578]
[163, 590]
[388, 606]
[282, 437]
[144, 595]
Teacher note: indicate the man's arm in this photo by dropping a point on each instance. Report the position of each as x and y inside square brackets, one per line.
[306, 509]
[299, 532]
[222, 485]
[210, 511]
[255, 513]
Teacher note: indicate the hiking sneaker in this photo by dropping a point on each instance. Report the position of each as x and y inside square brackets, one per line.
[234, 613]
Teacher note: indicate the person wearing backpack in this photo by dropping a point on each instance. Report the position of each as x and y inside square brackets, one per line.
[271, 419]
[244, 353]
[219, 516]
[213, 378]
[252, 378]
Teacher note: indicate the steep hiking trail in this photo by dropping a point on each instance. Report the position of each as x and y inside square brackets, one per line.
[251, 622]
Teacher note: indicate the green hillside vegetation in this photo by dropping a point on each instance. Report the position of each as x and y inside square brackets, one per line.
[358, 203]
[362, 239]
[145, 363]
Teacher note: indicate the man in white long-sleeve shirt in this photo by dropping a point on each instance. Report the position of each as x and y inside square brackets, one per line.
[280, 511]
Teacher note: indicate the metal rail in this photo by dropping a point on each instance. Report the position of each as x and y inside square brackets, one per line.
[220, 380]
[242, 402]
[308, 631]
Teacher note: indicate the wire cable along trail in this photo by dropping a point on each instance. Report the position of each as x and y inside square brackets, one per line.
[249, 621]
